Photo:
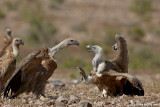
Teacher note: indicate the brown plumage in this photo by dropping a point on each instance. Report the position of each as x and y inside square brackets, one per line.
[8, 62]
[121, 60]
[6, 42]
[34, 71]
[112, 83]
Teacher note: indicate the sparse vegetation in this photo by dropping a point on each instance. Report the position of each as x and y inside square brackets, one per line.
[12, 5]
[109, 38]
[143, 58]
[81, 27]
[136, 32]
[40, 29]
[72, 62]
[54, 4]
[141, 7]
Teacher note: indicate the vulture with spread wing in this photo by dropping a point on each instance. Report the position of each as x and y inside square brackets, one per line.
[119, 63]
[8, 62]
[113, 83]
[34, 71]
[6, 42]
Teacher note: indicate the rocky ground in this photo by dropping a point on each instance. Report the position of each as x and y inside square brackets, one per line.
[61, 91]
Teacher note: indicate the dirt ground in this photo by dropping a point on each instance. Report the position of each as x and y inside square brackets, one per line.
[75, 94]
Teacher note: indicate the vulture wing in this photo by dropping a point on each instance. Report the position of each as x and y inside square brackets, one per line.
[17, 79]
[7, 66]
[121, 60]
[131, 86]
[5, 45]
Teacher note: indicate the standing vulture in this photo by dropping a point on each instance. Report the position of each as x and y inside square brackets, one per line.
[8, 62]
[34, 71]
[119, 63]
[113, 83]
[6, 42]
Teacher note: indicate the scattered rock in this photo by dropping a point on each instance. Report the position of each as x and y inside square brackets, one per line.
[58, 83]
[62, 99]
[38, 102]
[73, 99]
[53, 97]
[52, 102]
[60, 104]
[99, 104]
[85, 104]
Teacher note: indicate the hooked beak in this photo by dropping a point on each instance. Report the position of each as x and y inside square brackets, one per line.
[21, 42]
[77, 43]
[115, 47]
[89, 47]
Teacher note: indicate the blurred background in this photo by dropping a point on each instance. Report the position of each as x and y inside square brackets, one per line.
[44, 23]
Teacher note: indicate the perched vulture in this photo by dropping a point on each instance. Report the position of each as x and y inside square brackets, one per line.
[8, 62]
[34, 71]
[119, 63]
[6, 42]
[113, 83]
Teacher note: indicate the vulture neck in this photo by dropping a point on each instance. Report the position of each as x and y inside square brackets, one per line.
[9, 37]
[15, 49]
[98, 56]
[58, 47]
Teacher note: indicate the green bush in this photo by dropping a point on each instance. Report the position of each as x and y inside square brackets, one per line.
[55, 3]
[81, 27]
[141, 6]
[2, 15]
[136, 32]
[72, 62]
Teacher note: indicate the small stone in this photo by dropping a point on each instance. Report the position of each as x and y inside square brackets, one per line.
[75, 81]
[99, 104]
[42, 98]
[62, 99]
[85, 104]
[73, 99]
[53, 97]
[39, 102]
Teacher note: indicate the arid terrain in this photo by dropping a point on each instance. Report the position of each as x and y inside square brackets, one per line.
[44, 23]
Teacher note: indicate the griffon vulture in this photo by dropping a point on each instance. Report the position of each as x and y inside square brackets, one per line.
[8, 62]
[119, 63]
[113, 83]
[6, 42]
[34, 71]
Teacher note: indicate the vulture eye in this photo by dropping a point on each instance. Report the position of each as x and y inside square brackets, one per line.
[72, 40]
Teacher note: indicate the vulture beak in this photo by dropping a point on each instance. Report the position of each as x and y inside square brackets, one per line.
[21, 42]
[77, 43]
[115, 47]
[90, 48]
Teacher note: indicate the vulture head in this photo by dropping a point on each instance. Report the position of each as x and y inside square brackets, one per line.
[118, 38]
[15, 45]
[71, 41]
[98, 51]
[9, 33]
[63, 44]
[95, 49]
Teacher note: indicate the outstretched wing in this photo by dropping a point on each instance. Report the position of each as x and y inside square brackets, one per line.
[17, 79]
